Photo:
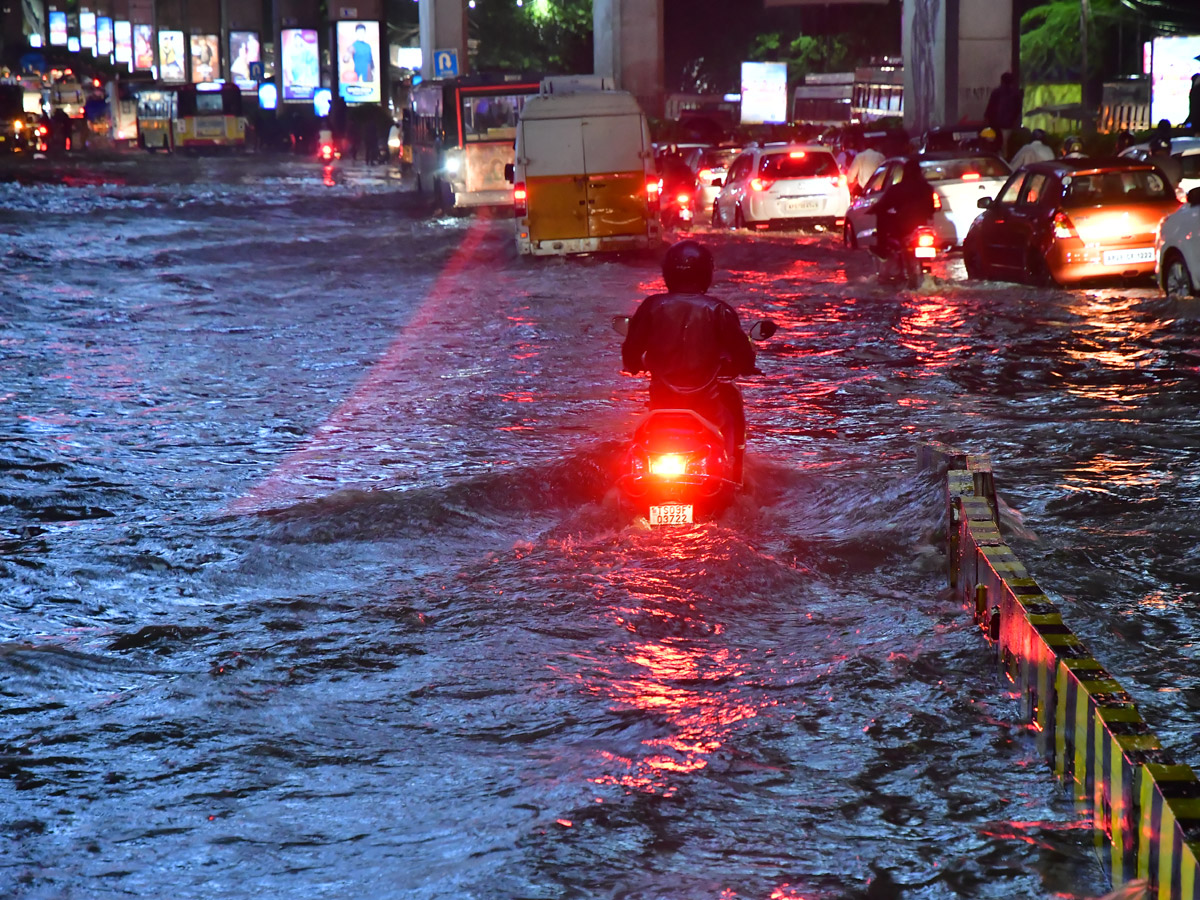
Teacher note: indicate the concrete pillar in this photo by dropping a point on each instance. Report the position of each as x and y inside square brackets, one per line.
[628, 41]
[443, 27]
[954, 54]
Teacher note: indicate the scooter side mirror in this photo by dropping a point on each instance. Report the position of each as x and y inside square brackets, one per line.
[620, 325]
[984, 202]
[762, 329]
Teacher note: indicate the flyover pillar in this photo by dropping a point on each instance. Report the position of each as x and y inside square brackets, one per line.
[443, 26]
[954, 54]
[628, 41]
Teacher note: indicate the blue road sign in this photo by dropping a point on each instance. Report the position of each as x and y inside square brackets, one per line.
[445, 63]
[256, 71]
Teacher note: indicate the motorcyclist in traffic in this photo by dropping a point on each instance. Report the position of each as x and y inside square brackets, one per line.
[1160, 156]
[678, 177]
[688, 341]
[902, 208]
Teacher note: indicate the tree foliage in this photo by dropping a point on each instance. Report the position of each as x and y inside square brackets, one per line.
[551, 36]
[1050, 40]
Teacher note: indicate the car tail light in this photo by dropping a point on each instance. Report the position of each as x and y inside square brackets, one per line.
[760, 184]
[937, 201]
[797, 154]
[653, 193]
[705, 174]
[1063, 227]
[520, 198]
[840, 181]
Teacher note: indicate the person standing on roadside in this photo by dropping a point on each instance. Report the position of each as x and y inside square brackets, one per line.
[1004, 108]
[1193, 119]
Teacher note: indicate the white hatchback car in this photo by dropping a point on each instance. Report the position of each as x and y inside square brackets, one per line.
[1177, 249]
[1185, 149]
[782, 184]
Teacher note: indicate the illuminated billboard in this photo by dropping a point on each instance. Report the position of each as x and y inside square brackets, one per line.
[123, 41]
[299, 64]
[764, 92]
[170, 56]
[1173, 62]
[87, 30]
[58, 29]
[206, 58]
[104, 35]
[143, 47]
[244, 51]
[358, 62]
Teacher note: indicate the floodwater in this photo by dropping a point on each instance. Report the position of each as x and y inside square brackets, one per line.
[313, 585]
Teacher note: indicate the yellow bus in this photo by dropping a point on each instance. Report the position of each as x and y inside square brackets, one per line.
[156, 118]
[208, 116]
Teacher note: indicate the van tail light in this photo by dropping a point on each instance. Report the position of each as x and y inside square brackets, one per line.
[653, 193]
[520, 198]
[937, 201]
[760, 184]
[1063, 227]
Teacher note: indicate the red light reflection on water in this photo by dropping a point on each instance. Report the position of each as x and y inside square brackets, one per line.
[671, 669]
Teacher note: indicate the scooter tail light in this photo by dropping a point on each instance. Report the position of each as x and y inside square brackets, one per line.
[684, 199]
[520, 198]
[925, 239]
[1063, 227]
[668, 465]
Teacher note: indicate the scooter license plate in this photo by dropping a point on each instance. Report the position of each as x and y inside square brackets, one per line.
[671, 514]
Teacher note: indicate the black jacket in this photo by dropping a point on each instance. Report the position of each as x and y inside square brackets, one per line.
[904, 206]
[686, 340]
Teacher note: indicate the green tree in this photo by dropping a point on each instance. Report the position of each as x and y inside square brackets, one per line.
[551, 36]
[1050, 49]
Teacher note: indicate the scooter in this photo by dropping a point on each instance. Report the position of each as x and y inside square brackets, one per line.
[678, 209]
[908, 260]
[678, 466]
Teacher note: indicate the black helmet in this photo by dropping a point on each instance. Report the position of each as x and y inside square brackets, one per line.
[1160, 144]
[1038, 135]
[688, 268]
[1072, 145]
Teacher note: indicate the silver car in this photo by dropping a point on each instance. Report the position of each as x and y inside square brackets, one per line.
[1177, 249]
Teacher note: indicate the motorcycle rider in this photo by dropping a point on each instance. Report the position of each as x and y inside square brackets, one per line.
[902, 208]
[686, 339]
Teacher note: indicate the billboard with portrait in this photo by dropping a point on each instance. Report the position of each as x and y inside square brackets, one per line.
[358, 62]
[123, 41]
[104, 35]
[206, 58]
[244, 51]
[87, 30]
[143, 47]
[1173, 62]
[764, 92]
[58, 28]
[170, 56]
[299, 64]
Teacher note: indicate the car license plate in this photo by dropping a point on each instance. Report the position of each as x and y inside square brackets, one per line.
[1123, 257]
[804, 204]
[671, 514]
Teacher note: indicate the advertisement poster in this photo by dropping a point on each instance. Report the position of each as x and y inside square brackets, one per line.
[123, 41]
[299, 64]
[764, 92]
[104, 35]
[358, 62]
[58, 28]
[1173, 61]
[143, 47]
[170, 56]
[206, 58]
[87, 30]
[243, 51]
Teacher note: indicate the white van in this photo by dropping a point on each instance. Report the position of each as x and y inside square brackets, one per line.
[584, 177]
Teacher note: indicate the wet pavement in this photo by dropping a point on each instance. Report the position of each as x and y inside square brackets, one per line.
[313, 584]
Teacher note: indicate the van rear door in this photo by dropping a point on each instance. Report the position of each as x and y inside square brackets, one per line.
[554, 179]
[616, 184]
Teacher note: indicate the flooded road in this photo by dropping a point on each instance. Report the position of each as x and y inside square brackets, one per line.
[312, 586]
